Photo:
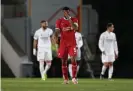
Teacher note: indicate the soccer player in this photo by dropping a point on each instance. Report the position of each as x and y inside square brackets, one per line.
[67, 26]
[79, 43]
[109, 49]
[42, 42]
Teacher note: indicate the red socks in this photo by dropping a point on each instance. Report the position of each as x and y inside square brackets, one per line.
[65, 72]
[74, 69]
[64, 69]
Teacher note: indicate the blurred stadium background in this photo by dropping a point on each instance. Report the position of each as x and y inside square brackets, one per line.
[20, 19]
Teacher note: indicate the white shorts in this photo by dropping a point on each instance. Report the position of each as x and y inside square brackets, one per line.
[44, 54]
[108, 58]
[78, 57]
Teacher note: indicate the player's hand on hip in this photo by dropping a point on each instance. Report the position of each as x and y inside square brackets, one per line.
[34, 52]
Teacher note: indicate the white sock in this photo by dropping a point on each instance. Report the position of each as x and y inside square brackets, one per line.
[46, 68]
[110, 72]
[41, 67]
[70, 69]
[103, 69]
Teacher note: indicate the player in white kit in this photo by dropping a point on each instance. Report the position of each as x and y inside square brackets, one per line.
[42, 42]
[79, 43]
[109, 49]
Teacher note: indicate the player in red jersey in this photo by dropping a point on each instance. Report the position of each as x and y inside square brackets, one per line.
[66, 26]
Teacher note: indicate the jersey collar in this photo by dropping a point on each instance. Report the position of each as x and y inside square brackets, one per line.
[43, 29]
[66, 19]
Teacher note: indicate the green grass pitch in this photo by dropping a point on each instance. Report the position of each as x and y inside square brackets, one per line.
[51, 84]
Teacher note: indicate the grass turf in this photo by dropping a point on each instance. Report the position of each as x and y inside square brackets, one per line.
[51, 84]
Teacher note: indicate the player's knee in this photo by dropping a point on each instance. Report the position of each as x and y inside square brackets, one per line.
[48, 63]
[110, 64]
[41, 62]
[73, 59]
[64, 63]
[106, 64]
[74, 63]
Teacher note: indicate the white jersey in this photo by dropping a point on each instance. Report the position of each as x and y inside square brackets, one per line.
[108, 43]
[79, 40]
[43, 37]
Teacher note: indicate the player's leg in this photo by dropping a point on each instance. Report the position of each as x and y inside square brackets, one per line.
[41, 68]
[110, 72]
[48, 60]
[78, 62]
[111, 60]
[70, 67]
[65, 70]
[74, 70]
[78, 58]
[63, 54]
[105, 65]
[73, 53]
[47, 67]
[40, 58]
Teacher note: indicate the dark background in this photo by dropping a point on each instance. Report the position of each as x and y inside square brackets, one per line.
[120, 13]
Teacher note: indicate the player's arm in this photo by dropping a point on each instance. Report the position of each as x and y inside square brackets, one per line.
[115, 46]
[74, 23]
[57, 31]
[35, 42]
[55, 35]
[101, 42]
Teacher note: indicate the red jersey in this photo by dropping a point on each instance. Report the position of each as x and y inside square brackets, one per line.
[66, 31]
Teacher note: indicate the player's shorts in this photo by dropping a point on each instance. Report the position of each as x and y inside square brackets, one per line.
[78, 56]
[44, 54]
[108, 58]
[63, 51]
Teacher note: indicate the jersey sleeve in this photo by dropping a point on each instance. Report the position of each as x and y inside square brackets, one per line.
[36, 36]
[57, 25]
[115, 45]
[101, 43]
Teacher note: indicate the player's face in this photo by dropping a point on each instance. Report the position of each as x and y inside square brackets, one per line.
[44, 25]
[111, 28]
[66, 12]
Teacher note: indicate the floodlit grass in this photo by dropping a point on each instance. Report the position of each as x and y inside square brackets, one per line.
[51, 84]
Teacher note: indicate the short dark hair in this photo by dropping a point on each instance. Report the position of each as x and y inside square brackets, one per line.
[65, 8]
[42, 21]
[109, 25]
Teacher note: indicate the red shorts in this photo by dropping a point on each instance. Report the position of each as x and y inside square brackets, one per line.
[64, 51]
